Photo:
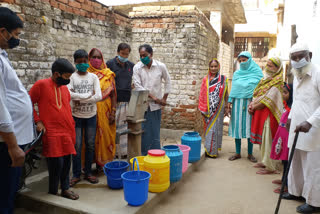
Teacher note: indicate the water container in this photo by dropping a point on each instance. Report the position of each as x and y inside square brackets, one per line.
[140, 159]
[193, 140]
[113, 170]
[158, 165]
[175, 155]
[185, 150]
[135, 185]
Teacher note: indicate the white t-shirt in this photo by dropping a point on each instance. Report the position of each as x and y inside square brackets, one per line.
[85, 93]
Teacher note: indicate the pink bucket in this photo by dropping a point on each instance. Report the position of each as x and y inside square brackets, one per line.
[185, 150]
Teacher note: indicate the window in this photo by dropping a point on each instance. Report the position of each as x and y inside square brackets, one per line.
[257, 46]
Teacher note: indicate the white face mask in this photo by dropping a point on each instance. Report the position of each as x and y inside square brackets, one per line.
[303, 62]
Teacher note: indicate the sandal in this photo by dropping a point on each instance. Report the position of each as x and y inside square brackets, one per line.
[234, 157]
[277, 190]
[91, 179]
[70, 195]
[278, 181]
[74, 181]
[259, 165]
[267, 172]
[252, 159]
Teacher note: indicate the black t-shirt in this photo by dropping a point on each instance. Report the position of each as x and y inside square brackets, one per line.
[123, 78]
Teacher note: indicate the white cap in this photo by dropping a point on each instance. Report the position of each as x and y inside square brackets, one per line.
[299, 47]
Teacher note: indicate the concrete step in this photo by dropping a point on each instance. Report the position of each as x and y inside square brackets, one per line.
[94, 198]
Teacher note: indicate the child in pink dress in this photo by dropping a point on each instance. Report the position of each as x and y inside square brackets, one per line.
[280, 150]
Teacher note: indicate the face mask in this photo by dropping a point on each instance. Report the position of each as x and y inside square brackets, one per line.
[122, 59]
[146, 60]
[82, 67]
[12, 42]
[96, 63]
[62, 81]
[244, 65]
[303, 62]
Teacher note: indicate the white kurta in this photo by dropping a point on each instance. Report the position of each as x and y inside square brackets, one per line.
[304, 174]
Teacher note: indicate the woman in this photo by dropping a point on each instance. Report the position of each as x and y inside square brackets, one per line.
[244, 82]
[212, 98]
[106, 109]
[266, 107]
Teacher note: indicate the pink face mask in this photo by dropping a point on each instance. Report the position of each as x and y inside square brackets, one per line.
[96, 63]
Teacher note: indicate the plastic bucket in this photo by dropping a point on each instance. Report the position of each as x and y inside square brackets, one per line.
[140, 159]
[135, 185]
[185, 150]
[113, 170]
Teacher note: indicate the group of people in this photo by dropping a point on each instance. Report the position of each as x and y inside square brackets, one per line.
[268, 112]
[79, 109]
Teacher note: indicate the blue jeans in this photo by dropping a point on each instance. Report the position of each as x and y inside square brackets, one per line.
[86, 126]
[151, 127]
[9, 181]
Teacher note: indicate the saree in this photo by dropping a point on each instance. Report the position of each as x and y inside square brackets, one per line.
[106, 133]
[211, 105]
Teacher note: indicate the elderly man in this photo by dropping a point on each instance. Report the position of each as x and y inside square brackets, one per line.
[304, 175]
[16, 127]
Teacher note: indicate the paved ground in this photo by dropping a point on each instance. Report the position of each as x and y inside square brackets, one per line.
[224, 187]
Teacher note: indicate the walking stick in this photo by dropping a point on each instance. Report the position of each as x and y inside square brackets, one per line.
[287, 171]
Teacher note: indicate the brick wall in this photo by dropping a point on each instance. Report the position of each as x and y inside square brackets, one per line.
[57, 28]
[225, 59]
[182, 38]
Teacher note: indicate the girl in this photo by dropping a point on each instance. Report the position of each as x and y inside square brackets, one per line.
[280, 150]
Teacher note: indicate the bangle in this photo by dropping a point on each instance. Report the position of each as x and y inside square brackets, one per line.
[114, 109]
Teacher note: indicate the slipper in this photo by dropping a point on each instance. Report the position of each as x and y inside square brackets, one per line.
[252, 159]
[259, 165]
[74, 181]
[91, 179]
[277, 190]
[278, 181]
[267, 172]
[70, 195]
[234, 157]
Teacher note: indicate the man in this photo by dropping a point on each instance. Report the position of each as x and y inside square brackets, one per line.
[55, 119]
[304, 174]
[16, 128]
[148, 75]
[85, 92]
[123, 69]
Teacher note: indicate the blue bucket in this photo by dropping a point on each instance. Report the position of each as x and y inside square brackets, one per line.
[135, 185]
[113, 170]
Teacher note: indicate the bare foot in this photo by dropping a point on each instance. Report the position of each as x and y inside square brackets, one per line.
[259, 165]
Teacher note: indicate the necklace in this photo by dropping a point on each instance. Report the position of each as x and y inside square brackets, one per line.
[58, 105]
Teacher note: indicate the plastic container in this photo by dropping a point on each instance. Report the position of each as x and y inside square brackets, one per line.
[140, 160]
[175, 155]
[185, 150]
[135, 185]
[193, 140]
[113, 170]
[158, 165]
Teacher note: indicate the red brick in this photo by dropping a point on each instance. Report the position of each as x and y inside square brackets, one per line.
[136, 25]
[96, 5]
[69, 9]
[62, 7]
[178, 110]
[117, 21]
[172, 26]
[54, 3]
[101, 17]
[8, 1]
[81, 1]
[76, 11]
[188, 106]
[194, 82]
[74, 4]
[83, 13]
[63, 1]
[93, 15]
[143, 25]
[88, 2]
[87, 7]
[149, 25]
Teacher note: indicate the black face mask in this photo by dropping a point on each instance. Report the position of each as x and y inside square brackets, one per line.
[62, 81]
[13, 42]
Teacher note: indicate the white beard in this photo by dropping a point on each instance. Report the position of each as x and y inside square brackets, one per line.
[301, 72]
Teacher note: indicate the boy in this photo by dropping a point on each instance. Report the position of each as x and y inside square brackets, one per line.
[55, 119]
[85, 91]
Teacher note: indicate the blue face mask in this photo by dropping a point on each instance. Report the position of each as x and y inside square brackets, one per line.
[82, 67]
[122, 59]
[245, 65]
[146, 60]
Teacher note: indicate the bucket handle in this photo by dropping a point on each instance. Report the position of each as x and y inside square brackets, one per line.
[135, 160]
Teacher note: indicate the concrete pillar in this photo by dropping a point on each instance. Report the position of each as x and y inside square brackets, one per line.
[216, 21]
